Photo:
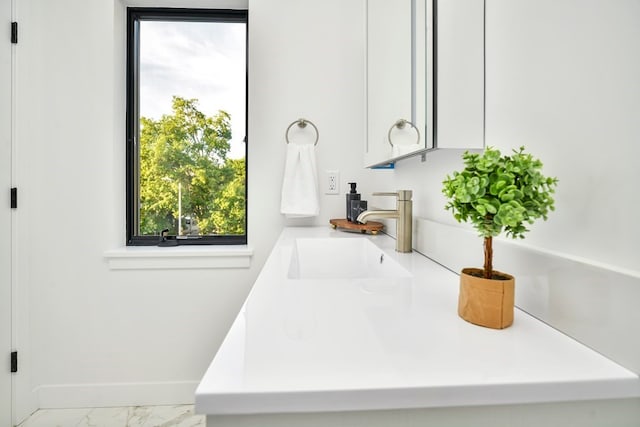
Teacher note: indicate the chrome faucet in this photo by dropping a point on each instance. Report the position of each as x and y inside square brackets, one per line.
[403, 215]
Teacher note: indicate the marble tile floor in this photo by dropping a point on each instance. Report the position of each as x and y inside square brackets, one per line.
[133, 416]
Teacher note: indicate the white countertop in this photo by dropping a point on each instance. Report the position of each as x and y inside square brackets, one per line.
[318, 345]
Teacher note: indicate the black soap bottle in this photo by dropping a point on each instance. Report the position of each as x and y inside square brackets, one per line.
[351, 195]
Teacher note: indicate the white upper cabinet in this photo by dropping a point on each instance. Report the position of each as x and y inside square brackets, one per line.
[413, 48]
[397, 63]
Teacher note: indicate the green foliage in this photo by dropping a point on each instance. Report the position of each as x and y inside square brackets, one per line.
[499, 193]
[229, 204]
[186, 152]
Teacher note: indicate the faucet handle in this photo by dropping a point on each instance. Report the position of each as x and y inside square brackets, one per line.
[400, 194]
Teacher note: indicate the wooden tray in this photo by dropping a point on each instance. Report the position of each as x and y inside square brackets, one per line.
[372, 227]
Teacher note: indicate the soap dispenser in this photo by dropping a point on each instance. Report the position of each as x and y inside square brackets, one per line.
[351, 195]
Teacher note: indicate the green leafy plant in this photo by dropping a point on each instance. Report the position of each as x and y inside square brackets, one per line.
[183, 156]
[497, 193]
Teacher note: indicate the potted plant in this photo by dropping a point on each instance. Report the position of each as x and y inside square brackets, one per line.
[496, 194]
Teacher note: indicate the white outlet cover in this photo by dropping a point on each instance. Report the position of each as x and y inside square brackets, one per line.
[332, 182]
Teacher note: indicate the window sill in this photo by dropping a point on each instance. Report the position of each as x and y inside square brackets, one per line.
[180, 257]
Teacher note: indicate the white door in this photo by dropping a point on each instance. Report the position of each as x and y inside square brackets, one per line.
[5, 217]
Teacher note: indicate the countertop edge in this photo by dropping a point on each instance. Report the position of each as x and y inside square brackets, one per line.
[413, 398]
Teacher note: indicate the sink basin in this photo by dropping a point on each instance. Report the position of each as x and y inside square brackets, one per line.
[342, 258]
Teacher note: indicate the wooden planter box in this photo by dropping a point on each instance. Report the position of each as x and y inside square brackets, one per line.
[486, 302]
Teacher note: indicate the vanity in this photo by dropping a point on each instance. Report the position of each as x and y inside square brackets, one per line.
[340, 329]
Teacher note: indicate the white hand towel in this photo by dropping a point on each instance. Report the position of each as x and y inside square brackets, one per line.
[300, 184]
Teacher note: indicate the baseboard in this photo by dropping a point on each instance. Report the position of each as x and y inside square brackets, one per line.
[26, 403]
[116, 394]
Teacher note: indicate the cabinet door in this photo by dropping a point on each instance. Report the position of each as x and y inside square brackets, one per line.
[389, 74]
[460, 65]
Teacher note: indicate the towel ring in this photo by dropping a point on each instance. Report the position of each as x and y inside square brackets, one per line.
[302, 123]
[400, 124]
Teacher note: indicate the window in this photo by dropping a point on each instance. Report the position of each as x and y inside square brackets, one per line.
[186, 126]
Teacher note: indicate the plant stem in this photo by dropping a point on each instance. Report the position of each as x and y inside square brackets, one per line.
[488, 257]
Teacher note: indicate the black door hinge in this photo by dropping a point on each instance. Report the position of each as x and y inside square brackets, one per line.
[14, 32]
[14, 198]
[14, 361]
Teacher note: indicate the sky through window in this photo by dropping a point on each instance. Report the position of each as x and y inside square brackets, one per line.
[202, 60]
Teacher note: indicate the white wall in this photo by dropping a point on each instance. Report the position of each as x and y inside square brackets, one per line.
[562, 79]
[94, 336]
[307, 60]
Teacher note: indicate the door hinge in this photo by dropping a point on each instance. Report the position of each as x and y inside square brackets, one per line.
[14, 32]
[14, 361]
[14, 198]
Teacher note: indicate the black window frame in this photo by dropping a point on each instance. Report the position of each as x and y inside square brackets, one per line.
[134, 15]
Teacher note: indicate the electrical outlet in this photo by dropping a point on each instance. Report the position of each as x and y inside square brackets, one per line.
[332, 180]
